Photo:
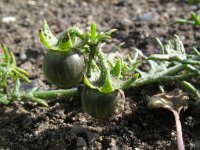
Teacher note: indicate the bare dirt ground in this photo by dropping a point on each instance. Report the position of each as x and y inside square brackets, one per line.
[64, 125]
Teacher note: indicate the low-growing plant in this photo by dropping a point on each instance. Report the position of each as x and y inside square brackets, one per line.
[78, 58]
[103, 93]
[11, 73]
[108, 74]
[64, 63]
[195, 20]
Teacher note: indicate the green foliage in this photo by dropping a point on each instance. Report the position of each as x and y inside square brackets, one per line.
[104, 72]
[192, 2]
[195, 20]
[109, 72]
[9, 69]
[65, 42]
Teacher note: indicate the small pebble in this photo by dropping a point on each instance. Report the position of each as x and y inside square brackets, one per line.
[189, 118]
[23, 56]
[81, 142]
[31, 3]
[173, 134]
[149, 16]
[113, 144]
[8, 19]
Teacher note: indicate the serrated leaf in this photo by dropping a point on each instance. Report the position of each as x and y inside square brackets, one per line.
[47, 38]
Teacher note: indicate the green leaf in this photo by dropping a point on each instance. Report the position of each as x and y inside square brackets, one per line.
[47, 38]
[40, 101]
[178, 46]
[110, 32]
[107, 87]
[126, 84]
[4, 101]
[192, 2]
[196, 51]
[22, 71]
[20, 75]
[116, 71]
[93, 32]
[6, 54]
[166, 57]
[195, 17]
[161, 45]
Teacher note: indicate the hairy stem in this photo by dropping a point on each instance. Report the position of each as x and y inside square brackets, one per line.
[55, 93]
[93, 50]
[104, 68]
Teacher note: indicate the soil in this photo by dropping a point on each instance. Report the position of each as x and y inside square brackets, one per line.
[64, 125]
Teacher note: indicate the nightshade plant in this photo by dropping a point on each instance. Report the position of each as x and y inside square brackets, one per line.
[64, 63]
[9, 72]
[103, 93]
[105, 77]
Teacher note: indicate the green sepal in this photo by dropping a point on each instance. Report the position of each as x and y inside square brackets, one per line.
[116, 71]
[65, 42]
[107, 87]
[87, 82]
[68, 39]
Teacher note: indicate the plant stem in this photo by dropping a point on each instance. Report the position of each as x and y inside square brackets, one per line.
[93, 50]
[162, 76]
[180, 142]
[55, 93]
[105, 73]
[192, 89]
